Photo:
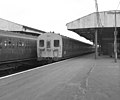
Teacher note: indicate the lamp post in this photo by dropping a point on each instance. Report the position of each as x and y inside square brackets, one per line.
[115, 39]
[96, 31]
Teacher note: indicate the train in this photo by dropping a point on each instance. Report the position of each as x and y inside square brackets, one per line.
[52, 46]
[16, 47]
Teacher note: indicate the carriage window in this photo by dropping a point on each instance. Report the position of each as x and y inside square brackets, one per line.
[19, 43]
[9, 43]
[56, 43]
[41, 43]
[48, 44]
[0, 44]
[5, 43]
[23, 44]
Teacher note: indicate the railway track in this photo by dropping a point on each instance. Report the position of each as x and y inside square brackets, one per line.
[14, 67]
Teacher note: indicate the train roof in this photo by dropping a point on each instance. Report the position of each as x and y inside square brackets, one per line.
[18, 35]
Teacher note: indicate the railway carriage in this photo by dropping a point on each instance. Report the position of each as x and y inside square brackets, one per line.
[17, 47]
[54, 46]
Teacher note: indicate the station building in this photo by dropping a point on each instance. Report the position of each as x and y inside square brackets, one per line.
[105, 23]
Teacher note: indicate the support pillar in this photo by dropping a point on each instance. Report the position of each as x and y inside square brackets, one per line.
[96, 49]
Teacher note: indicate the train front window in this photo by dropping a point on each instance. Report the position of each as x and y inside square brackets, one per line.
[41, 43]
[56, 43]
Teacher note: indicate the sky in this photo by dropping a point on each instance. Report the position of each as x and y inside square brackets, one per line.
[52, 15]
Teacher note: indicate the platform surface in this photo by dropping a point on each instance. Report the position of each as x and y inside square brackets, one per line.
[81, 78]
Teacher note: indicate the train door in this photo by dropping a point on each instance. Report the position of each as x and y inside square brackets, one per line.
[49, 50]
[41, 49]
[56, 50]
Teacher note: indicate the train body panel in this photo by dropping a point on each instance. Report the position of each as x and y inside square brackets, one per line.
[72, 47]
[15, 46]
[61, 47]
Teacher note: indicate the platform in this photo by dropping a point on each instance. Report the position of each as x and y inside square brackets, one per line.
[80, 78]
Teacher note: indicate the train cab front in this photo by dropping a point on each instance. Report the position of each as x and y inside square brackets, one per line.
[49, 47]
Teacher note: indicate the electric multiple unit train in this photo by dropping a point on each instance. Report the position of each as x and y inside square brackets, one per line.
[54, 46]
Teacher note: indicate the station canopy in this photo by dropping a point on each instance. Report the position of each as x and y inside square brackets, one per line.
[87, 25]
[14, 27]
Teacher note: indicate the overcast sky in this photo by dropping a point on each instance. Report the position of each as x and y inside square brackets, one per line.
[51, 15]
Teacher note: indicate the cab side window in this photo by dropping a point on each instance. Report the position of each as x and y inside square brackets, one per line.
[41, 43]
[56, 43]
